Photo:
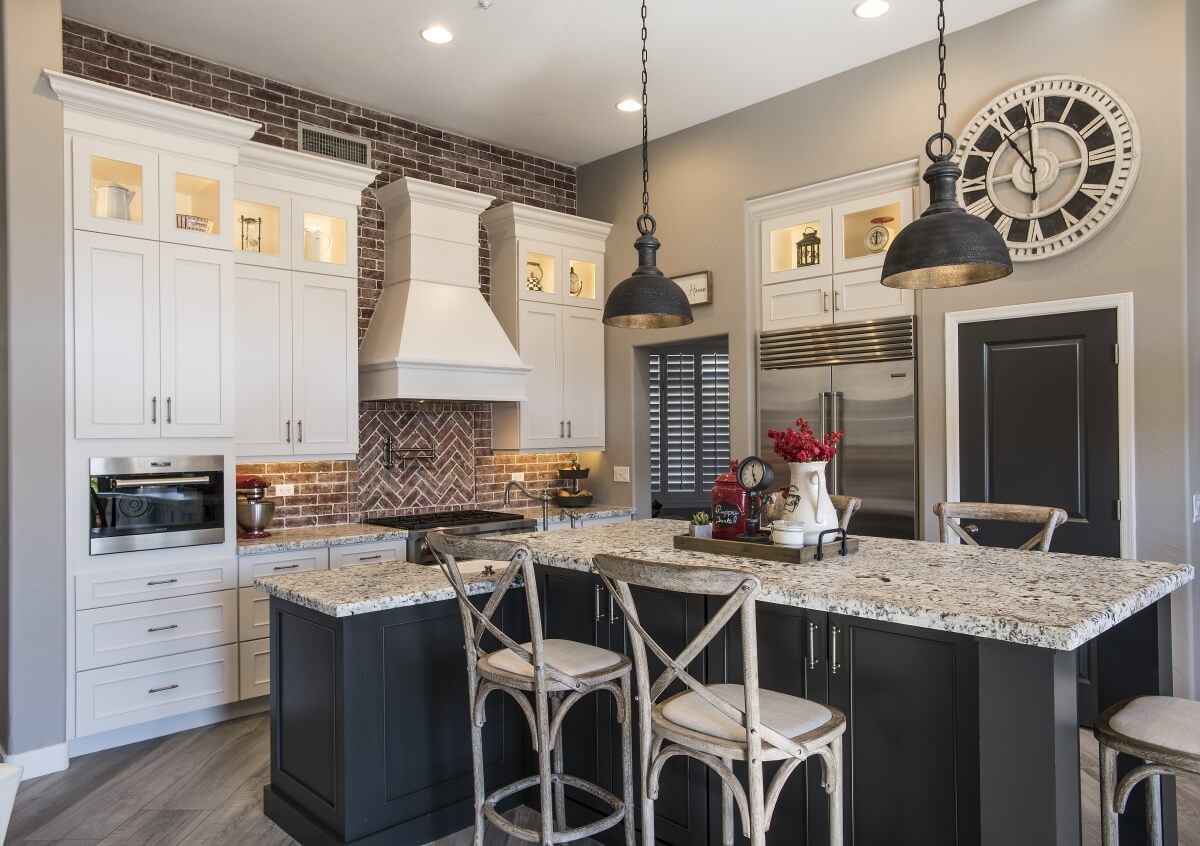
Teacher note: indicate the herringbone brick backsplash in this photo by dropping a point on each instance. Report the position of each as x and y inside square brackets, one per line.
[465, 471]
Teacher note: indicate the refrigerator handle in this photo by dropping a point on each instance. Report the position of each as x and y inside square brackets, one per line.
[834, 424]
[824, 413]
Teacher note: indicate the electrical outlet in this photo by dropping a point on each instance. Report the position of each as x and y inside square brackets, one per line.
[518, 477]
[620, 474]
[285, 490]
[1196, 508]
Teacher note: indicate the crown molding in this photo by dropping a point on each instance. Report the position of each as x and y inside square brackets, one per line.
[507, 220]
[890, 177]
[255, 156]
[404, 191]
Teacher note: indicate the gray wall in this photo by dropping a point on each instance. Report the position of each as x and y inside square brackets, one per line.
[883, 113]
[1192, 240]
[34, 439]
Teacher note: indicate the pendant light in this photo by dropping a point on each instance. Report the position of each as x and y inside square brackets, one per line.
[647, 299]
[945, 247]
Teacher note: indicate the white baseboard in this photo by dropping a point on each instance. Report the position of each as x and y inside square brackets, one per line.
[40, 762]
[168, 725]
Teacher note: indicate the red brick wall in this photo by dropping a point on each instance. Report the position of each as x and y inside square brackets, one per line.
[466, 472]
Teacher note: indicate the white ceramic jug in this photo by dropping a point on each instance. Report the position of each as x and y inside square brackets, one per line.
[115, 201]
[812, 505]
[318, 246]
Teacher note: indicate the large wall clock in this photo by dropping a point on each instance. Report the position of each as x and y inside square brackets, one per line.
[1049, 163]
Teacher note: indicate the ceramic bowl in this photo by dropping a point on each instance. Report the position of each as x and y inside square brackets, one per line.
[784, 533]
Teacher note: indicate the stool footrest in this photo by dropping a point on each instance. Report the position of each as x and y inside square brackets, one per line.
[567, 835]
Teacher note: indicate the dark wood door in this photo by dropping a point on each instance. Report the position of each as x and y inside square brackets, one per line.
[1038, 425]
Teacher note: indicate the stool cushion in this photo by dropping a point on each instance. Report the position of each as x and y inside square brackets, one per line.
[791, 716]
[1161, 721]
[567, 656]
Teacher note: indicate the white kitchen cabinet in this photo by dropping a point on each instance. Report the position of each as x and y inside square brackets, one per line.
[860, 296]
[254, 614]
[117, 634]
[324, 236]
[254, 667]
[554, 320]
[254, 566]
[375, 552]
[99, 588]
[803, 302]
[114, 188]
[325, 364]
[116, 337]
[863, 228]
[264, 342]
[782, 261]
[195, 202]
[262, 230]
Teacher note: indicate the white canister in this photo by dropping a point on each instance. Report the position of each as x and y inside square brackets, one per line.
[113, 201]
[318, 246]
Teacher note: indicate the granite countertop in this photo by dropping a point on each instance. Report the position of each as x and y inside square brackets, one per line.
[316, 537]
[1047, 599]
[364, 588]
[558, 514]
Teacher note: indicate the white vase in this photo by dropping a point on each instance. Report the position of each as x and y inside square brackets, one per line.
[812, 505]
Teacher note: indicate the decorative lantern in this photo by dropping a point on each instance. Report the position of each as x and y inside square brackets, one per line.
[808, 248]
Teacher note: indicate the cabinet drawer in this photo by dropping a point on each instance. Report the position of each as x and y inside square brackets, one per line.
[252, 567]
[112, 697]
[367, 553]
[117, 634]
[116, 587]
[254, 668]
[254, 613]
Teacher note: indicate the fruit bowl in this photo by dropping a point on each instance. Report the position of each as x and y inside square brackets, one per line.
[573, 472]
[574, 500]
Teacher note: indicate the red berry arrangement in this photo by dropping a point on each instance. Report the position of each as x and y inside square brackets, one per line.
[792, 445]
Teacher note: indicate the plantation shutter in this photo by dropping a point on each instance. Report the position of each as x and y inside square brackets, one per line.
[714, 417]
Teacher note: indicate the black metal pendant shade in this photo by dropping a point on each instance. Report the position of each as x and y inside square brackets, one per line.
[647, 299]
[945, 247]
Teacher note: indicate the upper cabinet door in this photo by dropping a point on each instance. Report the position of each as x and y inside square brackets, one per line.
[861, 296]
[864, 229]
[542, 276]
[261, 233]
[805, 302]
[116, 337]
[796, 246]
[114, 188]
[264, 343]
[324, 236]
[583, 377]
[543, 424]
[197, 342]
[325, 364]
[195, 202]
[585, 278]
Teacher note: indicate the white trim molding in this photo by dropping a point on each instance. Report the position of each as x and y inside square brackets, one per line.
[40, 762]
[1123, 304]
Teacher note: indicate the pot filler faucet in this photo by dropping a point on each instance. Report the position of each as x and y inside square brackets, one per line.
[543, 497]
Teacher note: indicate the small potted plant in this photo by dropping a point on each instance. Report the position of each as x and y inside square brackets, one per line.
[700, 527]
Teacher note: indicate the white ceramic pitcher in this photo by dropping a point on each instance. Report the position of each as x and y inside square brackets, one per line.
[812, 505]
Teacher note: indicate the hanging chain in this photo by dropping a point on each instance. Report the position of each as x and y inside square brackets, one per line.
[645, 123]
[941, 81]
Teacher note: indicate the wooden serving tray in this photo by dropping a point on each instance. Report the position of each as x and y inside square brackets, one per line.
[766, 551]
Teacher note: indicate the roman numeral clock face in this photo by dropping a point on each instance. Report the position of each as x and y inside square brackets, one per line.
[1049, 163]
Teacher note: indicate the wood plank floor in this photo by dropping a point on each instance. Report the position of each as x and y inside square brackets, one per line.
[204, 788]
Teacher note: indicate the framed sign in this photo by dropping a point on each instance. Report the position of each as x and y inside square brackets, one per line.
[697, 286]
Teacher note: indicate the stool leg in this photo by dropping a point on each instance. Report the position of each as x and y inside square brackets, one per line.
[835, 794]
[727, 830]
[477, 764]
[1108, 789]
[560, 804]
[627, 761]
[545, 766]
[1154, 834]
[757, 798]
[646, 757]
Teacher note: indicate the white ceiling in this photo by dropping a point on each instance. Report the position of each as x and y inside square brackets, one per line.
[538, 75]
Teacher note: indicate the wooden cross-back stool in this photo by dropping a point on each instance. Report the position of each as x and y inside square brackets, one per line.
[555, 675]
[1164, 733]
[721, 723]
[950, 515]
[845, 506]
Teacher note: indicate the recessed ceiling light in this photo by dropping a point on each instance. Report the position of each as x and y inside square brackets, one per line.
[629, 106]
[438, 35]
[872, 8]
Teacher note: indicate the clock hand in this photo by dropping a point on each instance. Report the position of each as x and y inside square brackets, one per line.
[1032, 159]
[1016, 147]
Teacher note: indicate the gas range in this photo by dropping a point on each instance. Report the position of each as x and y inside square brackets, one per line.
[466, 522]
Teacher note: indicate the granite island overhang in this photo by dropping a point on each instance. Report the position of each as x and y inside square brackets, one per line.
[955, 666]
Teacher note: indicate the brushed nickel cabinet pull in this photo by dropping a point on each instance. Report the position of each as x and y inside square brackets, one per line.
[288, 437]
[560, 429]
[285, 567]
[370, 557]
[612, 609]
[168, 409]
[300, 431]
[163, 628]
[161, 689]
[568, 428]
[834, 666]
[153, 409]
[824, 301]
[835, 301]
[812, 645]
[599, 613]
[163, 582]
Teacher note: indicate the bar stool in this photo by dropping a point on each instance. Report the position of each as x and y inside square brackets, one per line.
[718, 724]
[951, 514]
[845, 507]
[555, 674]
[1162, 731]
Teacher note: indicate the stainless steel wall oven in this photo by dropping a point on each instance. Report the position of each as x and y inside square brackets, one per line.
[154, 503]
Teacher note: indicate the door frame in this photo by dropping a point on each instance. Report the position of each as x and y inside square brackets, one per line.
[1123, 304]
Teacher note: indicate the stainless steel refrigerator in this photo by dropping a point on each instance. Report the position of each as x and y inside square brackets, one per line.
[861, 378]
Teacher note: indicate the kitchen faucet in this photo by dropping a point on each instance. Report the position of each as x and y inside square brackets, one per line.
[543, 497]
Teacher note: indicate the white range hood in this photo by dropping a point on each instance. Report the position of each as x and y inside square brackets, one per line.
[433, 335]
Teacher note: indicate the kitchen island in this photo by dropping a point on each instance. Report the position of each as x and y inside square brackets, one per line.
[953, 664]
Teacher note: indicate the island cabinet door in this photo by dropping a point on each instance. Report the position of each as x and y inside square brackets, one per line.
[911, 750]
[793, 658]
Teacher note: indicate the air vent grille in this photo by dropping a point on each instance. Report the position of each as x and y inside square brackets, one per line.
[841, 343]
[335, 145]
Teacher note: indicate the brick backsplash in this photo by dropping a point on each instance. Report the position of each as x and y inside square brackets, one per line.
[466, 472]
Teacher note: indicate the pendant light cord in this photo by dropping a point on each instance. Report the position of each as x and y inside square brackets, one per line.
[645, 222]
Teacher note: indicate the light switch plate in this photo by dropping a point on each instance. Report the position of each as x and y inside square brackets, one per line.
[518, 477]
[620, 474]
[285, 490]
[1196, 508]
